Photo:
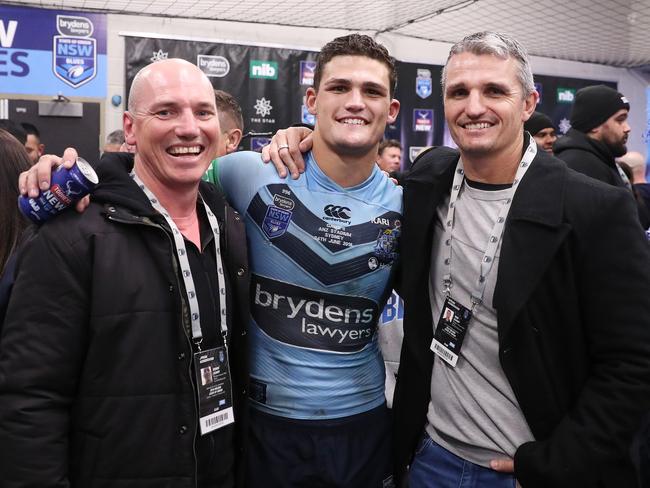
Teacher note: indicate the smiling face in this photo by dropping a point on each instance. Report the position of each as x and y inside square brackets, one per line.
[352, 105]
[485, 105]
[545, 139]
[172, 121]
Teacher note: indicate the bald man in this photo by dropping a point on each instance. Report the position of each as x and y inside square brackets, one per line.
[130, 371]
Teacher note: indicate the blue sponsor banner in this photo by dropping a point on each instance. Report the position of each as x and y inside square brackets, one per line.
[47, 52]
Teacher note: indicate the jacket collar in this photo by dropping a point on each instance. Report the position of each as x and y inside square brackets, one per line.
[117, 188]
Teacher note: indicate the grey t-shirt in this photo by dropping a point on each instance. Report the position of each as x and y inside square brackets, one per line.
[473, 411]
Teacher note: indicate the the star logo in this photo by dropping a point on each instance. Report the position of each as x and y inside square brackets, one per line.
[565, 125]
[159, 56]
[263, 107]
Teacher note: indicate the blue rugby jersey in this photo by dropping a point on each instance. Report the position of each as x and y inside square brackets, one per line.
[321, 258]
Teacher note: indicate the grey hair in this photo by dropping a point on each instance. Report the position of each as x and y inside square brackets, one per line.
[115, 137]
[496, 44]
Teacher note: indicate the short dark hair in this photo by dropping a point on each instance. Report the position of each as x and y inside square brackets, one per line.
[356, 45]
[388, 143]
[31, 129]
[15, 129]
[227, 104]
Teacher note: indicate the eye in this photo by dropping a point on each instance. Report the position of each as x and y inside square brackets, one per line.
[205, 114]
[163, 113]
[457, 93]
[494, 91]
[338, 88]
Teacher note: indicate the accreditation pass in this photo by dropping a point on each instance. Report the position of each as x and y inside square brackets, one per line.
[214, 389]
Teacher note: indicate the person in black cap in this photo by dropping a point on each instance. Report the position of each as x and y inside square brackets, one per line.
[598, 134]
[540, 126]
[599, 131]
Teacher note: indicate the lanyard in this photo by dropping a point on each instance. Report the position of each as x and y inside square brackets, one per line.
[497, 230]
[186, 272]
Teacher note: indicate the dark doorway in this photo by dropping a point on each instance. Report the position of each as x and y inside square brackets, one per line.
[58, 132]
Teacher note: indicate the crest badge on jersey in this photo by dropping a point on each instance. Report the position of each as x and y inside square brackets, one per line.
[423, 83]
[275, 221]
[386, 246]
[74, 59]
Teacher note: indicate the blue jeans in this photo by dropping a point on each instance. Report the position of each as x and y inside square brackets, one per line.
[435, 467]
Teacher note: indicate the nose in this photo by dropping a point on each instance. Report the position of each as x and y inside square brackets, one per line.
[626, 127]
[354, 101]
[475, 106]
[187, 127]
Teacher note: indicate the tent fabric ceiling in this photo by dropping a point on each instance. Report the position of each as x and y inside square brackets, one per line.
[609, 32]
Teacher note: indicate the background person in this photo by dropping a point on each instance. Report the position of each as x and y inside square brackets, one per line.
[389, 155]
[114, 141]
[230, 121]
[541, 127]
[35, 149]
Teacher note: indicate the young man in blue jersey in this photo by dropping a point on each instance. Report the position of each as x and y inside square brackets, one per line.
[322, 249]
[321, 253]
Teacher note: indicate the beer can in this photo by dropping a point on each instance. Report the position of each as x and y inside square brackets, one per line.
[66, 187]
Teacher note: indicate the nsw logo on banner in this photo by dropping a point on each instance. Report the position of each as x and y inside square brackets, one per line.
[74, 59]
[422, 120]
[423, 83]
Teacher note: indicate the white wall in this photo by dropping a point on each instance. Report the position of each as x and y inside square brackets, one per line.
[402, 48]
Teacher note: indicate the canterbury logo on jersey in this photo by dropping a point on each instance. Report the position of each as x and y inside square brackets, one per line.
[337, 212]
[313, 319]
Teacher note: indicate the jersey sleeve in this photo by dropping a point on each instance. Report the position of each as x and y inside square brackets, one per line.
[240, 175]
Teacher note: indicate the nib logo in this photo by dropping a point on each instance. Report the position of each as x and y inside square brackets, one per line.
[267, 70]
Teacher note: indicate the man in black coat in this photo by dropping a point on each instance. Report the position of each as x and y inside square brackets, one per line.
[122, 358]
[598, 134]
[526, 351]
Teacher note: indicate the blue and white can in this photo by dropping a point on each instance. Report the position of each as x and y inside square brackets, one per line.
[66, 187]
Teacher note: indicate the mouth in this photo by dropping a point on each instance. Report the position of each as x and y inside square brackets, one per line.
[179, 151]
[352, 121]
[476, 125]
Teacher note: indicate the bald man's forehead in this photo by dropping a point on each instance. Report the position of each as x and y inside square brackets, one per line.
[165, 75]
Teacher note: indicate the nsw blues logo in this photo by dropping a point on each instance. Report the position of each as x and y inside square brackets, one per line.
[74, 56]
[423, 83]
[75, 59]
[275, 221]
[386, 246]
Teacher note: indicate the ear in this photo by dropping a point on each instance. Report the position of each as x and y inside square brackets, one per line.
[393, 111]
[310, 100]
[530, 103]
[233, 138]
[129, 129]
[41, 149]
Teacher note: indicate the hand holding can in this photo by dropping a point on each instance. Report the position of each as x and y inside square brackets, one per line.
[67, 186]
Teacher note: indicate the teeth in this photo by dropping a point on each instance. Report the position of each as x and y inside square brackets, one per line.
[482, 125]
[354, 121]
[184, 150]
